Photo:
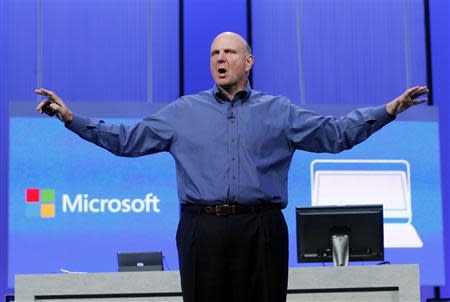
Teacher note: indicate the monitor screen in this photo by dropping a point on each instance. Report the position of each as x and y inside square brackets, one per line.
[139, 261]
[363, 226]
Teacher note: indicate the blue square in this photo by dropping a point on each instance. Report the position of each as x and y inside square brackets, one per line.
[33, 210]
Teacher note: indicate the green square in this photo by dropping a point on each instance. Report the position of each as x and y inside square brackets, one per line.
[48, 195]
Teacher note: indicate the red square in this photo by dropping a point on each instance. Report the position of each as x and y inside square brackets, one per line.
[32, 195]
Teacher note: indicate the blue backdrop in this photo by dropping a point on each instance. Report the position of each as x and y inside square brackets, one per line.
[117, 52]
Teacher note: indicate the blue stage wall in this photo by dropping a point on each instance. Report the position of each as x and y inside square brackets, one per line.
[338, 52]
[329, 52]
[4, 120]
[440, 59]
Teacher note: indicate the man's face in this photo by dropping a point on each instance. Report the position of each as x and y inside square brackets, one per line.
[230, 62]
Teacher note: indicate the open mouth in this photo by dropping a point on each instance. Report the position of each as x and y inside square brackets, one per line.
[221, 70]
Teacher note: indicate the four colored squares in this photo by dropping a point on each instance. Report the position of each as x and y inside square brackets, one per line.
[40, 203]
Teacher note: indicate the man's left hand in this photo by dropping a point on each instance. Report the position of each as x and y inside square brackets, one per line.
[406, 100]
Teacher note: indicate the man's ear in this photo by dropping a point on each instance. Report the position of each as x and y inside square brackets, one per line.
[249, 63]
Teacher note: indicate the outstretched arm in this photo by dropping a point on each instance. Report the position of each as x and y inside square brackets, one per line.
[153, 134]
[315, 133]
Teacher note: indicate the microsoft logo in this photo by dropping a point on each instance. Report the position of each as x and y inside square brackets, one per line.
[40, 203]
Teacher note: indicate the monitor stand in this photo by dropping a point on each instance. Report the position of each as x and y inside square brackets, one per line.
[340, 247]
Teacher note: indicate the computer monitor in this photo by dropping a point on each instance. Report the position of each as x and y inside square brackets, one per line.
[340, 234]
[9, 298]
[140, 261]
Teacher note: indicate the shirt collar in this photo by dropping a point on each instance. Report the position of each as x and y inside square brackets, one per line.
[242, 95]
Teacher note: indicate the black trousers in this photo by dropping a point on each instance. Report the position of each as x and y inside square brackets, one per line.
[234, 258]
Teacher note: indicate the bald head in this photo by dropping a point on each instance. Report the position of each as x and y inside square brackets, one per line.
[237, 37]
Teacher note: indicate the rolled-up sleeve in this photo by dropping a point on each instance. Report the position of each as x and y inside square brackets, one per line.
[315, 133]
[151, 135]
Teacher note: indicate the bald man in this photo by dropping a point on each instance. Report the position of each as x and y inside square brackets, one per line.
[233, 147]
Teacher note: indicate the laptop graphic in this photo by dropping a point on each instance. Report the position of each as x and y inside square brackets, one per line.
[364, 182]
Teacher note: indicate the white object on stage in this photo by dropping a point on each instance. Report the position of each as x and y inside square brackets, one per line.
[365, 182]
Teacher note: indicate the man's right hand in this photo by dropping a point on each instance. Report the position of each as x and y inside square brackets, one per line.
[57, 105]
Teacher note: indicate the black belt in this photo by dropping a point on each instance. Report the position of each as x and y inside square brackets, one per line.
[227, 209]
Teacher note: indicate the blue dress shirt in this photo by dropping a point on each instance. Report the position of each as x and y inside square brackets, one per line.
[237, 151]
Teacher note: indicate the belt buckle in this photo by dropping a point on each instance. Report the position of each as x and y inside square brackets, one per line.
[222, 209]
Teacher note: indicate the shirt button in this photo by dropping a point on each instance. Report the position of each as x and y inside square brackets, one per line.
[233, 158]
[232, 140]
[234, 177]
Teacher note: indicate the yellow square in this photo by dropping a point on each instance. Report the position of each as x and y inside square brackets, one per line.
[47, 210]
